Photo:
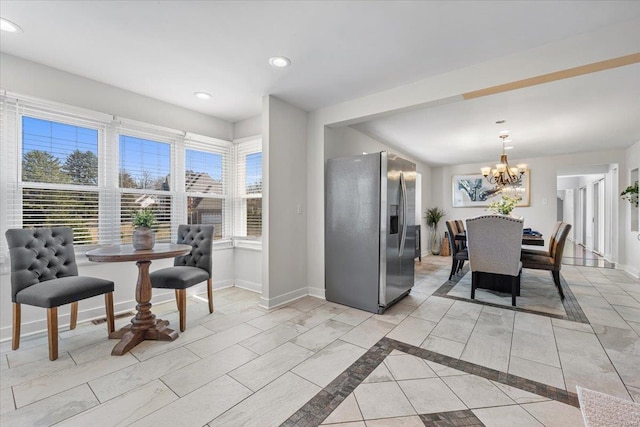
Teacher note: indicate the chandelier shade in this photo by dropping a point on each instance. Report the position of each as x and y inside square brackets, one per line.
[503, 175]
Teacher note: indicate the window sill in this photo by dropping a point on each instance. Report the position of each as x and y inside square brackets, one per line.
[254, 245]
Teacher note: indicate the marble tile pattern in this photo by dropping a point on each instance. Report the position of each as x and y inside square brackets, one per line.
[432, 359]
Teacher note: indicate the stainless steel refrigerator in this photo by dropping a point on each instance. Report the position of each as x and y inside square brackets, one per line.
[369, 230]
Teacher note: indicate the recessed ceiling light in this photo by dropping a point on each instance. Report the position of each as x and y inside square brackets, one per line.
[279, 62]
[202, 95]
[9, 26]
[504, 132]
[509, 147]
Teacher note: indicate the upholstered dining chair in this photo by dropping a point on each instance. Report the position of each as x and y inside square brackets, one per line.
[552, 242]
[190, 269]
[44, 273]
[494, 243]
[550, 260]
[458, 255]
[461, 229]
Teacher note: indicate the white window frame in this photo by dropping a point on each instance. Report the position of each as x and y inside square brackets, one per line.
[240, 199]
[13, 106]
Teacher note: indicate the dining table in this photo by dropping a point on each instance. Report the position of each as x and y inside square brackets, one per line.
[144, 325]
[527, 239]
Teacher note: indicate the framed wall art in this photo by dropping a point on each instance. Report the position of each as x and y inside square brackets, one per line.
[474, 190]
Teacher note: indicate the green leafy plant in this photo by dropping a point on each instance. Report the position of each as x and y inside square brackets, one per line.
[630, 194]
[144, 218]
[433, 216]
[504, 206]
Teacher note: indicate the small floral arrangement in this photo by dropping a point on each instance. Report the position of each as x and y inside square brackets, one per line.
[143, 218]
[504, 206]
[630, 194]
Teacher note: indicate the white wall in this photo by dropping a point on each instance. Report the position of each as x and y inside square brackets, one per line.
[29, 78]
[248, 127]
[569, 211]
[247, 265]
[631, 238]
[284, 244]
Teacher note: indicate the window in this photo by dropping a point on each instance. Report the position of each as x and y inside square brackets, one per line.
[65, 166]
[60, 177]
[249, 189]
[206, 187]
[143, 176]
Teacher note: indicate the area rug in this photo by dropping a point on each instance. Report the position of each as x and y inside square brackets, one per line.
[538, 295]
[603, 410]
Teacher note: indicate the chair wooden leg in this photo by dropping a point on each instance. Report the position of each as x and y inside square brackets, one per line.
[454, 265]
[15, 338]
[177, 298]
[460, 265]
[108, 305]
[210, 294]
[74, 315]
[514, 289]
[474, 282]
[556, 279]
[52, 332]
[183, 308]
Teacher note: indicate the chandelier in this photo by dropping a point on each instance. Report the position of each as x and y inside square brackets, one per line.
[504, 176]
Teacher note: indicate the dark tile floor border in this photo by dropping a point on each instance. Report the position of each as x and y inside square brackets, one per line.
[570, 303]
[451, 419]
[316, 410]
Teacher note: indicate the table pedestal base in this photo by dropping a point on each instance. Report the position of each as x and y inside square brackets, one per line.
[129, 338]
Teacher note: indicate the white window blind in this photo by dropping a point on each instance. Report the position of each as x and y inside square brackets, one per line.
[206, 181]
[58, 172]
[66, 166]
[248, 189]
[144, 178]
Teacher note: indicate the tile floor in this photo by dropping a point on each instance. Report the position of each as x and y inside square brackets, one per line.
[440, 362]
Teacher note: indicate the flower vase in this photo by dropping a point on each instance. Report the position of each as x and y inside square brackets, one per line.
[144, 238]
[435, 241]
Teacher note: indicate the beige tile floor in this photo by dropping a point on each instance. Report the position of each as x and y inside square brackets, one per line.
[247, 366]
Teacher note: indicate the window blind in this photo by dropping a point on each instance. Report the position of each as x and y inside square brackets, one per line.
[206, 183]
[55, 180]
[248, 189]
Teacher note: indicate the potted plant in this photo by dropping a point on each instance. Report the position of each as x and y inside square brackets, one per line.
[433, 216]
[143, 236]
[630, 194]
[504, 206]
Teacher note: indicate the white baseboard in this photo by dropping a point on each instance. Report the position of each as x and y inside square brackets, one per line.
[316, 292]
[249, 286]
[270, 303]
[632, 271]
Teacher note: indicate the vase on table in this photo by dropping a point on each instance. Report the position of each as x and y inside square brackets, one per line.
[144, 238]
[435, 241]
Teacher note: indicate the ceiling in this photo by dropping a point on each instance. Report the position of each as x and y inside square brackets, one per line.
[168, 50]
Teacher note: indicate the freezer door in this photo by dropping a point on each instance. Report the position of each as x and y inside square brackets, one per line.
[400, 235]
[352, 231]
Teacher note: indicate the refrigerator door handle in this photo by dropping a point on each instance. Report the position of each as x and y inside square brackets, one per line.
[403, 194]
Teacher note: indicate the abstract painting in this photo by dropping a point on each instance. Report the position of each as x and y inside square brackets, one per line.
[475, 191]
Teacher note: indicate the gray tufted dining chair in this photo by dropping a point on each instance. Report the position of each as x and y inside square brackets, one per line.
[190, 269]
[44, 273]
[494, 243]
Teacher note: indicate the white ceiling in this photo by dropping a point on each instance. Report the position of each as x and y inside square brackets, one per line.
[340, 50]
